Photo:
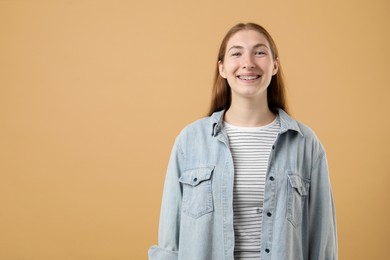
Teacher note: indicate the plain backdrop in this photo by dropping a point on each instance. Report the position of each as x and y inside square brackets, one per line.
[93, 94]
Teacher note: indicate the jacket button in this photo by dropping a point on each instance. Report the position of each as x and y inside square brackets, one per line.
[195, 179]
[269, 214]
[273, 147]
[267, 250]
[272, 178]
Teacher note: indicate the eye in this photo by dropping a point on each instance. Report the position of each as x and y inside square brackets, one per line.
[236, 54]
[260, 53]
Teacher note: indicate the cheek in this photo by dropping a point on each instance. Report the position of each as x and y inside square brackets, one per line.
[266, 66]
[231, 67]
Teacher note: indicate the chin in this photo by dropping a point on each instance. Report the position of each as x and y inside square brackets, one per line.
[252, 93]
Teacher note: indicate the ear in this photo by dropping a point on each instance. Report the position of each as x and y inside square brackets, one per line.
[276, 66]
[221, 69]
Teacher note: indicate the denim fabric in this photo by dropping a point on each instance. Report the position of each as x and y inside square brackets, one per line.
[196, 219]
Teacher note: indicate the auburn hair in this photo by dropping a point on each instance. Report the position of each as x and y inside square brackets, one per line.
[221, 94]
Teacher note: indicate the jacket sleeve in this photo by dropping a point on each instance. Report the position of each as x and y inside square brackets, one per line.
[169, 227]
[323, 230]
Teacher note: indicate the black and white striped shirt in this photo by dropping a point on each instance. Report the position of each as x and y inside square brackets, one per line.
[250, 148]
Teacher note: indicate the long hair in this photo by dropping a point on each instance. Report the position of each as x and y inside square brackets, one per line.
[222, 95]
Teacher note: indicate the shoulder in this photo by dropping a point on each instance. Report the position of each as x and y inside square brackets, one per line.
[304, 132]
[200, 124]
[289, 123]
[312, 140]
[199, 129]
[307, 131]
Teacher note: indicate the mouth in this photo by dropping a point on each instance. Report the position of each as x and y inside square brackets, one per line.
[248, 77]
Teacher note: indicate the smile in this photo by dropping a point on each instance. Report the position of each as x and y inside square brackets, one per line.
[248, 77]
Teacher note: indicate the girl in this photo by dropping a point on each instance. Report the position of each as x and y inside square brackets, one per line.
[248, 181]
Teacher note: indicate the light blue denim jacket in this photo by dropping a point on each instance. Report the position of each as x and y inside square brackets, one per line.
[196, 219]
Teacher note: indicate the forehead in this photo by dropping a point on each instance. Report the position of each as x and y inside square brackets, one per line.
[247, 38]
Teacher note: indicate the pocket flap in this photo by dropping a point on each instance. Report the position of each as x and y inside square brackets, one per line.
[300, 184]
[195, 176]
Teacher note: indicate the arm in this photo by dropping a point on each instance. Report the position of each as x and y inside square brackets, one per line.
[323, 230]
[169, 228]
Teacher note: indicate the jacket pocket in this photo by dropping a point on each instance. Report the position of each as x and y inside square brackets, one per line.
[197, 191]
[298, 191]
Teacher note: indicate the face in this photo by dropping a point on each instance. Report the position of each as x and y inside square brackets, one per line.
[248, 65]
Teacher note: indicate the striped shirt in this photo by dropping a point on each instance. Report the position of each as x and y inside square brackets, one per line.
[250, 148]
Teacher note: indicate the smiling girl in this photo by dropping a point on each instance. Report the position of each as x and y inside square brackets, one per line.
[248, 181]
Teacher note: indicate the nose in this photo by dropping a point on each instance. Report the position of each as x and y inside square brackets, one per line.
[247, 62]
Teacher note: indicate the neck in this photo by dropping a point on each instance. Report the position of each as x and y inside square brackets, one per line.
[249, 113]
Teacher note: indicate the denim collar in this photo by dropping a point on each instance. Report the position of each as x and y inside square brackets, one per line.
[286, 122]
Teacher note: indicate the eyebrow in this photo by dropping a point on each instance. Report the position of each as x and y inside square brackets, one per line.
[256, 46]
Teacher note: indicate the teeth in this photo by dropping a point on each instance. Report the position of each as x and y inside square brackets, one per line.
[248, 77]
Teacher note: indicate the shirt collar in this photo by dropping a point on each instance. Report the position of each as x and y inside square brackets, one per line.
[286, 122]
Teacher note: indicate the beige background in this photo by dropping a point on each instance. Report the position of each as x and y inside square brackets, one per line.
[93, 93]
